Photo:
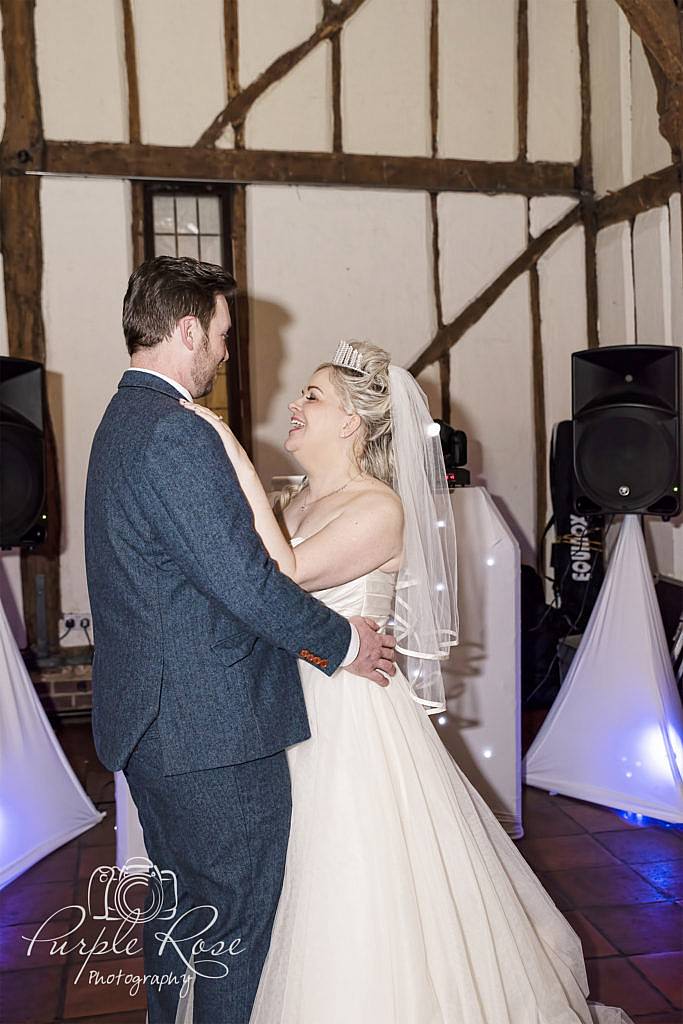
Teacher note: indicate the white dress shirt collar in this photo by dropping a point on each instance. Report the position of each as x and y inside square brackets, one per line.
[169, 380]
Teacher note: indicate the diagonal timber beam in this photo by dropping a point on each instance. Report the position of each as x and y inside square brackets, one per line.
[237, 108]
[658, 23]
[450, 333]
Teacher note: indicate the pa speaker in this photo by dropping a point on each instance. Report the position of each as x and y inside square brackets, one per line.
[22, 453]
[626, 429]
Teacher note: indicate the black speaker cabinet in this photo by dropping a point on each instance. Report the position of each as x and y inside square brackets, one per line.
[22, 453]
[626, 427]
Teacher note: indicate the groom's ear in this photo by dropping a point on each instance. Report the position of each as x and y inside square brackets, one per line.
[190, 331]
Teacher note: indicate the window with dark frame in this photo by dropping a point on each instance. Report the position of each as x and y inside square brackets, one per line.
[194, 219]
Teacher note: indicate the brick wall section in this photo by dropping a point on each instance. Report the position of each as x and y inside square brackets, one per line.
[64, 689]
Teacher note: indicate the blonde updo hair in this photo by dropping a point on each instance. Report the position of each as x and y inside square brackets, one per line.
[366, 393]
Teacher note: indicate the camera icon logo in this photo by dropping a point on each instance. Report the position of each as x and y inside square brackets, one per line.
[114, 893]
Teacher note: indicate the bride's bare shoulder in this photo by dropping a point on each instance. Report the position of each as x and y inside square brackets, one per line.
[373, 497]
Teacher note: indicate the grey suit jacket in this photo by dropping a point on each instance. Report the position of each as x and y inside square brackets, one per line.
[194, 624]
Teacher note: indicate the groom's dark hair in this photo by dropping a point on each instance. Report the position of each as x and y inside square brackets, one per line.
[165, 289]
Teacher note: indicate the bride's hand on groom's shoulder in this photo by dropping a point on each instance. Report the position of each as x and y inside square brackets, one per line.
[234, 449]
[376, 655]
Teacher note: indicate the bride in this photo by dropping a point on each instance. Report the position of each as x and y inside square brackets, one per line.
[404, 901]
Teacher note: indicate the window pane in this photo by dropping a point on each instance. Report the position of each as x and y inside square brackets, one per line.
[209, 215]
[164, 220]
[187, 246]
[211, 249]
[186, 212]
[164, 245]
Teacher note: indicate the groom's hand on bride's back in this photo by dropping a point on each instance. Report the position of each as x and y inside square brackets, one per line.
[376, 654]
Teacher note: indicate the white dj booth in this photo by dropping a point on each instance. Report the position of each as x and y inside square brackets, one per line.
[482, 725]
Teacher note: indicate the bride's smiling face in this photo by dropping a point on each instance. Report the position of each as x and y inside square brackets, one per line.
[318, 422]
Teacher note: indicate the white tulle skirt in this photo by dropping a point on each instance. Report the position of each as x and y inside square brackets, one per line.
[404, 901]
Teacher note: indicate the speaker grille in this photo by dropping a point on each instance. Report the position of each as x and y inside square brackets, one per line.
[21, 480]
[619, 449]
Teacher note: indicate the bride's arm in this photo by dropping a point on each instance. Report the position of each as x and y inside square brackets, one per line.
[363, 537]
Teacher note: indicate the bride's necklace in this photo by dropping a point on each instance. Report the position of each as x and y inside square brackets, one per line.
[307, 504]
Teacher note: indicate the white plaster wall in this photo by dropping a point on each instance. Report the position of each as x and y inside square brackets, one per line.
[385, 78]
[327, 264]
[479, 236]
[295, 113]
[491, 392]
[267, 30]
[652, 276]
[86, 238]
[650, 150]
[478, 79]
[676, 263]
[554, 118]
[616, 301]
[181, 68]
[81, 69]
[491, 364]
[544, 211]
[562, 276]
[609, 41]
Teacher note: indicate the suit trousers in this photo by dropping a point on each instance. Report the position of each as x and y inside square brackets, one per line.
[218, 840]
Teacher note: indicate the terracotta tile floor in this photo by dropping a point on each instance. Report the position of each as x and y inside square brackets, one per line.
[618, 881]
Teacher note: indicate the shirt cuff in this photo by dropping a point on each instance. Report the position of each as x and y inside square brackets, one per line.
[354, 647]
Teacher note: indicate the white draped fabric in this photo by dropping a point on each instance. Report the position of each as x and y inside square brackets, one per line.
[614, 735]
[42, 803]
[483, 674]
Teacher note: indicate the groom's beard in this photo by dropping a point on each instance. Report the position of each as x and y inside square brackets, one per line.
[204, 371]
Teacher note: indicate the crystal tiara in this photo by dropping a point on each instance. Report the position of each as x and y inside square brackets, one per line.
[346, 355]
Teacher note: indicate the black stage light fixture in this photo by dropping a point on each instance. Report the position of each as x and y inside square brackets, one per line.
[454, 447]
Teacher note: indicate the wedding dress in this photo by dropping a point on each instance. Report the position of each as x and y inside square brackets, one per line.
[404, 901]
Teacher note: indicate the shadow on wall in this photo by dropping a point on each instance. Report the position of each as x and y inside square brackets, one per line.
[475, 464]
[268, 322]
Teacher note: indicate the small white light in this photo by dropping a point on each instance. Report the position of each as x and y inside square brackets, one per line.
[639, 764]
[441, 586]
[629, 775]
[441, 524]
[490, 561]
[624, 759]
[433, 430]
[487, 752]
[442, 719]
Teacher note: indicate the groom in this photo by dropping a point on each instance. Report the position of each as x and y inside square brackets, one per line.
[196, 691]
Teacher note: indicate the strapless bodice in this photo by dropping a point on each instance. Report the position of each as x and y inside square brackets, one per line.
[371, 594]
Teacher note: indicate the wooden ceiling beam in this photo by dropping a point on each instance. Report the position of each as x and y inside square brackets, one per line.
[131, 160]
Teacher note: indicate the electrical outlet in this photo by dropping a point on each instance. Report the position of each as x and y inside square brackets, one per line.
[75, 635]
